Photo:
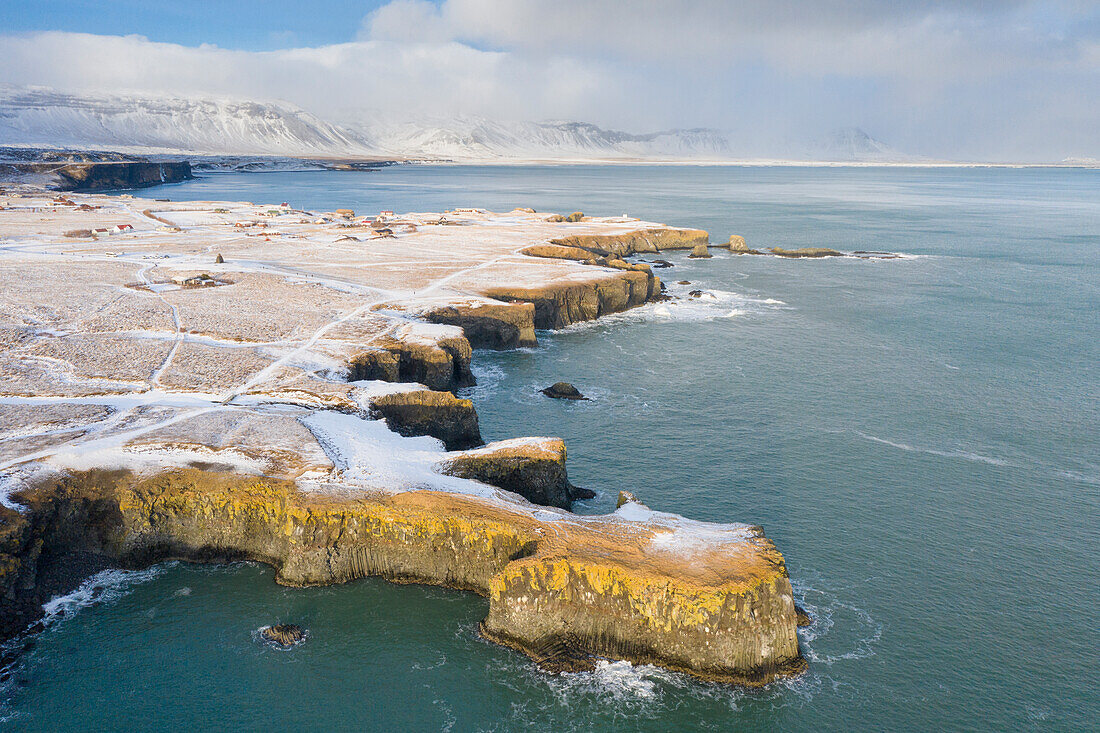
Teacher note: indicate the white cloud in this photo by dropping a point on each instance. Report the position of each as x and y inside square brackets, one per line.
[1014, 79]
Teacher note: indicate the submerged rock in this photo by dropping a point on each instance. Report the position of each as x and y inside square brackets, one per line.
[808, 252]
[283, 634]
[563, 391]
[661, 264]
[700, 252]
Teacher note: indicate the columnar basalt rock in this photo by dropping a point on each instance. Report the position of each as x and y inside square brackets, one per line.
[246, 441]
[440, 363]
[426, 412]
[534, 468]
[489, 325]
[710, 600]
[560, 304]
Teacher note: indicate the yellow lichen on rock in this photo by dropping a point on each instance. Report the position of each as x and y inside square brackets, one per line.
[723, 611]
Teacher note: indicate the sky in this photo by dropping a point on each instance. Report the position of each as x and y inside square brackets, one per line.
[998, 80]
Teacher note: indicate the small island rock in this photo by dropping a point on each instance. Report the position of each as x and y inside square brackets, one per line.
[283, 634]
[700, 251]
[563, 391]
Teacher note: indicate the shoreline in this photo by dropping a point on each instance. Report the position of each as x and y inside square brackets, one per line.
[259, 450]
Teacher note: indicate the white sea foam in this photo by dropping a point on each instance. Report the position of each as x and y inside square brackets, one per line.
[711, 305]
[963, 454]
[105, 586]
[840, 630]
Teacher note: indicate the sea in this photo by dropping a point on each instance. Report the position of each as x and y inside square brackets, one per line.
[919, 436]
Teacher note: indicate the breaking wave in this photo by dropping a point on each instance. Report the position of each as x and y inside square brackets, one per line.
[105, 586]
[708, 304]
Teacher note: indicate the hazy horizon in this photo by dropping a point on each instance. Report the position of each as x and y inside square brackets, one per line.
[1014, 81]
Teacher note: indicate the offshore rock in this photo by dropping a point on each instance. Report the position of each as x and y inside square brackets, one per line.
[563, 391]
[738, 246]
[808, 252]
[285, 635]
[644, 240]
[534, 468]
[625, 497]
[425, 412]
[700, 251]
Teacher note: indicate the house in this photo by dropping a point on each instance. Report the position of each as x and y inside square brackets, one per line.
[120, 228]
[101, 231]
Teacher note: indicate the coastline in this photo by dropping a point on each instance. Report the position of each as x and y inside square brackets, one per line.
[165, 498]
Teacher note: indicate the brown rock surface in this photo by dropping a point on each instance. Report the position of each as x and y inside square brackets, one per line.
[808, 252]
[424, 412]
[709, 600]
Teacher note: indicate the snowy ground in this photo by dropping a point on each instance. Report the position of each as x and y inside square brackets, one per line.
[110, 360]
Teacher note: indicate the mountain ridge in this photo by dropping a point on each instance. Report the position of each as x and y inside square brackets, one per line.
[142, 123]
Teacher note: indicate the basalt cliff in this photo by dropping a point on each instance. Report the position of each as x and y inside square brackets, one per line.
[226, 381]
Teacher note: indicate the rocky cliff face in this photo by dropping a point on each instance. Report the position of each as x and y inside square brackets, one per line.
[728, 616]
[104, 175]
[489, 325]
[407, 356]
[534, 468]
[560, 304]
[426, 412]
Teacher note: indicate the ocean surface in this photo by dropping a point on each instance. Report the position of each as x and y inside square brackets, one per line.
[920, 437]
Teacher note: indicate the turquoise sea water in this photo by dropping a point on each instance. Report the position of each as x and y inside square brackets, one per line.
[920, 437]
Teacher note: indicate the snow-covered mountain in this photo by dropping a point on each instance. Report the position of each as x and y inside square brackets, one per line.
[479, 138]
[853, 145]
[41, 117]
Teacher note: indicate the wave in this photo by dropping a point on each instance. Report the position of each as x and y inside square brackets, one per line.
[965, 455]
[840, 630]
[105, 586]
[708, 304]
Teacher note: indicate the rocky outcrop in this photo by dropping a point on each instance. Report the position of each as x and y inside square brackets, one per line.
[560, 304]
[110, 175]
[489, 325]
[563, 391]
[738, 246]
[284, 635]
[629, 243]
[700, 252]
[441, 363]
[559, 252]
[616, 586]
[737, 631]
[807, 252]
[425, 412]
[534, 468]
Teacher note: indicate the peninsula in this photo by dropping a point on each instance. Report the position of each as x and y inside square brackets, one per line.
[221, 381]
